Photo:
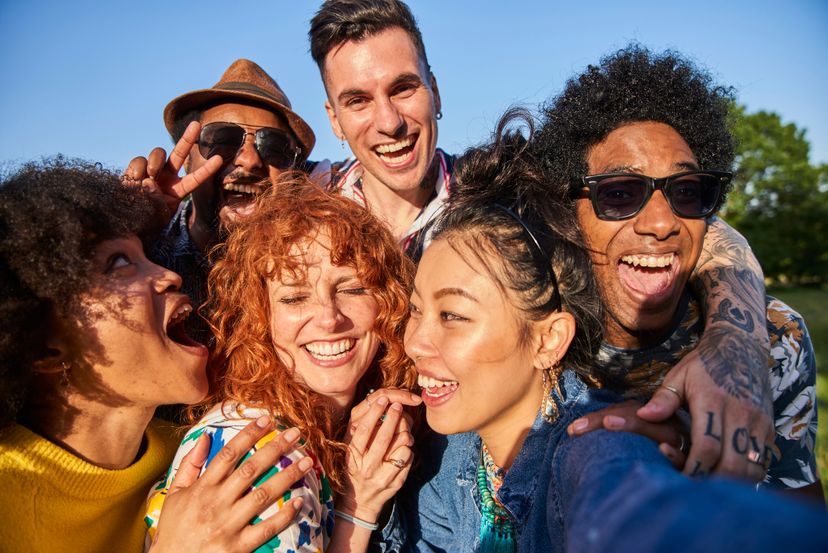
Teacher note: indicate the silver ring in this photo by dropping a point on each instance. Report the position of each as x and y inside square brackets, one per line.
[755, 457]
[682, 444]
[399, 463]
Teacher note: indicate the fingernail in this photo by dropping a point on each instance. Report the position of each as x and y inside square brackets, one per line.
[291, 434]
[382, 401]
[396, 406]
[578, 425]
[614, 421]
[263, 421]
[305, 463]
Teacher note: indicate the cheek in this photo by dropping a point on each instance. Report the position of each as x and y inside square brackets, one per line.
[285, 324]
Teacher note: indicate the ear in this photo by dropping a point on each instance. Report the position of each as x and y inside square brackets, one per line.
[553, 335]
[435, 91]
[337, 130]
[57, 351]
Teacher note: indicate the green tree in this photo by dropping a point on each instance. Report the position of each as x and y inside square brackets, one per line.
[779, 199]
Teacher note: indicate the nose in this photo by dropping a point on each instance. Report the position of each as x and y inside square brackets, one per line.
[248, 157]
[387, 118]
[166, 280]
[417, 341]
[329, 316]
[657, 219]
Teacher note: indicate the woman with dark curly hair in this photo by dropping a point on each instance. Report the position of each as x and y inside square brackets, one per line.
[307, 307]
[92, 343]
[505, 321]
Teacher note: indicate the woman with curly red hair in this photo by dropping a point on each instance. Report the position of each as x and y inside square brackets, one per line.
[308, 303]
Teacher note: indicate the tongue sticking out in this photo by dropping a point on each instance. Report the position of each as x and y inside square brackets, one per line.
[651, 281]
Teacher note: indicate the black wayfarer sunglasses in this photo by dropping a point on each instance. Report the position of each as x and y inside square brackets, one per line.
[690, 194]
[275, 146]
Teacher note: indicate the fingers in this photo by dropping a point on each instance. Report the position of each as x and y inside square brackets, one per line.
[191, 181]
[595, 420]
[183, 146]
[664, 403]
[674, 454]
[706, 449]
[155, 162]
[257, 534]
[394, 395]
[190, 466]
[363, 429]
[266, 457]
[136, 170]
[269, 491]
[228, 456]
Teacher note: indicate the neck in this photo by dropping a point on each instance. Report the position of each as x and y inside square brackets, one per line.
[104, 435]
[505, 435]
[202, 234]
[399, 208]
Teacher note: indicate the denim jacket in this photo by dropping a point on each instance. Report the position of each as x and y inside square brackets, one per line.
[605, 491]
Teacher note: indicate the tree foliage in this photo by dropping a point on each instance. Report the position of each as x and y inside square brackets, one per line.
[779, 201]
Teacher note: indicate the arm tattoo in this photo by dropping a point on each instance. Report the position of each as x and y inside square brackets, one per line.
[738, 292]
[743, 373]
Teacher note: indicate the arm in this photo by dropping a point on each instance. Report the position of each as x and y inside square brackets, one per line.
[724, 381]
[191, 519]
[618, 494]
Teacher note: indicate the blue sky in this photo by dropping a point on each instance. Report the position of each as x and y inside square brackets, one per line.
[91, 79]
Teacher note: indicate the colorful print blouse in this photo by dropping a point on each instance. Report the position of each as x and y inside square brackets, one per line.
[792, 369]
[313, 525]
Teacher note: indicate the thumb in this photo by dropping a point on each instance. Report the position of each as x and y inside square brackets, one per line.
[666, 400]
[190, 467]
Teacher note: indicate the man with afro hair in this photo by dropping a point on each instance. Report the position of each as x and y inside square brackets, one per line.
[641, 145]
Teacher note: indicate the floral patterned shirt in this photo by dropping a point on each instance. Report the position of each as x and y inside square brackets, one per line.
[313, 525]
[792, 369]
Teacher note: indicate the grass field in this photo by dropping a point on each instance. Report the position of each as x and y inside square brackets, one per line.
[812, 303]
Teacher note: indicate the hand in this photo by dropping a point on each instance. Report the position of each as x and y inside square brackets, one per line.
[379, 452]
[671, 434]
[725, 383]
[159, 175]
[213, 512]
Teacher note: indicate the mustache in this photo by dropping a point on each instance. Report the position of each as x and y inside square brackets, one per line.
[243, 177]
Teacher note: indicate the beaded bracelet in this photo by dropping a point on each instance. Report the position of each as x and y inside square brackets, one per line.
[358, 521]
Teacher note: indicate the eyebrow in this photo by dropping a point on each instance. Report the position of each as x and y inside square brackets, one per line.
[412, 78]
[454, 292]
[681, 166]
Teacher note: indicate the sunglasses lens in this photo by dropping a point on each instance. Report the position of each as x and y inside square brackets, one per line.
[220, 139]
[694, 195]
[620, 197]
[276, 147]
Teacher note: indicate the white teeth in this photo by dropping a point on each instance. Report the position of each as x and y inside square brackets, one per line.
[181, 313]
[428, 382]
[651, 261]
[330, 350]
[243, 188]
[396, 147]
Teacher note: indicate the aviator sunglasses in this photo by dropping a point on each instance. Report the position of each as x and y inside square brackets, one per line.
[690, 194]
[275, 146]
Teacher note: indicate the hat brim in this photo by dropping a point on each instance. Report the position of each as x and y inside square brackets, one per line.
[192, 100]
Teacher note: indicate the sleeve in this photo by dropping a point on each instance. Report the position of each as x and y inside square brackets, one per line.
[616, 495]
[793, 384]
[312, 526]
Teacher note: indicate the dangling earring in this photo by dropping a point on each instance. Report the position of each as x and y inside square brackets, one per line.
[548, 406]
[64, 375]
[439, 115]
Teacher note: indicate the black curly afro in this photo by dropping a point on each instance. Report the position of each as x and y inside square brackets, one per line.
[634, 85]
[52, 216]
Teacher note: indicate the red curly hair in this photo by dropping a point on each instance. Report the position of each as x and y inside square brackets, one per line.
[244, 364]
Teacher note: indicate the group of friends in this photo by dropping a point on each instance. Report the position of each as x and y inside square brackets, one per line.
[517, 349]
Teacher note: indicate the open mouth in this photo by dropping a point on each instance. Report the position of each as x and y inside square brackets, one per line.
[398, 152]
[434, 388]
[330, 351]
[243, 190]
[651, 274]
[176, 330]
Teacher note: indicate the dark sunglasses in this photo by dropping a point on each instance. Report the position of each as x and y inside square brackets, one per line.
[690, 194]
[275, 146]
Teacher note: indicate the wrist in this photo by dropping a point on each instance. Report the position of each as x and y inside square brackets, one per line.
[368, 524]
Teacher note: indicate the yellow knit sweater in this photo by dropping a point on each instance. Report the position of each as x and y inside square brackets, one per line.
[50, 500]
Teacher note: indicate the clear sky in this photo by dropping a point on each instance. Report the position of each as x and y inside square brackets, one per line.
[91, 79]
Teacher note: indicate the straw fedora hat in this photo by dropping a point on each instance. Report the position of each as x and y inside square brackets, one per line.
[244, 80]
